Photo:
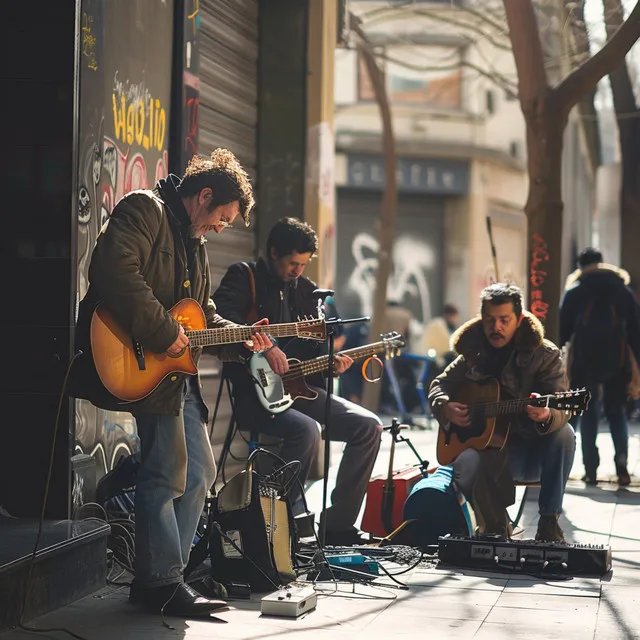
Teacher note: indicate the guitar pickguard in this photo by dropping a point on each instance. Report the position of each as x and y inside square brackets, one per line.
[270, 388]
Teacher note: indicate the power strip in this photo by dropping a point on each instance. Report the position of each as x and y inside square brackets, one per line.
[289, 602]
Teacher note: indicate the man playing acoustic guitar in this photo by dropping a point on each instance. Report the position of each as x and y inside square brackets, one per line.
[507, 344]
[149, 256]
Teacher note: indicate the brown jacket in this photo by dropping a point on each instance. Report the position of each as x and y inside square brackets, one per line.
[535, 366]
[139, 270]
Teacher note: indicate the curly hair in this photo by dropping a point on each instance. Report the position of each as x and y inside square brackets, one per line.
[290, 234]
[224, 175]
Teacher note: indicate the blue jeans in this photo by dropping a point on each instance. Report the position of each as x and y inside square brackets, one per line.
[177, 469]
[547, 459]
[614, 410]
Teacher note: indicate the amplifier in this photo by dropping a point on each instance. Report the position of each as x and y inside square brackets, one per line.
[488, 552]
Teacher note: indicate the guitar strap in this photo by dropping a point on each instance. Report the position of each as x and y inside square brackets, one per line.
[253, 312]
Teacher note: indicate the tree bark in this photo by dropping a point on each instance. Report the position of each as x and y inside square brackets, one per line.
[627, 116]
[546, 112]
[389, 209]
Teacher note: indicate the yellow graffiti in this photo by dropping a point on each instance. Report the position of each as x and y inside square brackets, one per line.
[89, 42]
[135, 121]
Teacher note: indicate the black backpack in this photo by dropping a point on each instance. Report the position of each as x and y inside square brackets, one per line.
[600, 340]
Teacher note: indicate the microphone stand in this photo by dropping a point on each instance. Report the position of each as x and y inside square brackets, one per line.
[332, 326]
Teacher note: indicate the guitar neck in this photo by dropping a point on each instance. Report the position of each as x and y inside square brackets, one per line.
[239, 333]
[321, 363]
[509, 407]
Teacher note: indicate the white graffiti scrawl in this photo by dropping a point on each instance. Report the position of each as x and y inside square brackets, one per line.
[411, 258]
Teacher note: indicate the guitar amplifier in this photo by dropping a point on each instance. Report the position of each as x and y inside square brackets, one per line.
[491, 552]
[373, 520]
[251, 534]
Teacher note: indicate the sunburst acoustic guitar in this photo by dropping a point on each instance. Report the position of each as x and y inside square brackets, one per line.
[130, 373]
[490, 416]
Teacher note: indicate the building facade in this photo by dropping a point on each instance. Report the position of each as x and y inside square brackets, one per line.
[460, 141]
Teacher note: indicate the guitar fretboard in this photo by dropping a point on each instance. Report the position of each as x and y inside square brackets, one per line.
[321, 363]
[228, 335]
[506, 407]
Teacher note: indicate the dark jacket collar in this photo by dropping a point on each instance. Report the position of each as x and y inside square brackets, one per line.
[470, 342]
[168, 190]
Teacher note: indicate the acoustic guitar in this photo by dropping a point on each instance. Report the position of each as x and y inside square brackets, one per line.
[490, 423]
[277, 394]
[130, 373]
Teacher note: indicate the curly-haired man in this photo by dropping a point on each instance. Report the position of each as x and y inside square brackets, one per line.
[149, 255]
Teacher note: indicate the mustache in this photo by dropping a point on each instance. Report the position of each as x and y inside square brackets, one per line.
[497, 335]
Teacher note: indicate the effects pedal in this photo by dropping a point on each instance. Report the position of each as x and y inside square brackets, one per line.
[289, 602]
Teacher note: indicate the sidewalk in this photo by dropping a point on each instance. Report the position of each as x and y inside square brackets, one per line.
[440, 603]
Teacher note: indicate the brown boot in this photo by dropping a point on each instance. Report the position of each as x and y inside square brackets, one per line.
[624, 479]
[549, 530]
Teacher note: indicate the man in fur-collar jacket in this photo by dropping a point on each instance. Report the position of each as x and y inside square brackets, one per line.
[508, 344]
[600, 319]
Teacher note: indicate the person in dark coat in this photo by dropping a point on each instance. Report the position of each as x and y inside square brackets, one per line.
[149, 255]
[600, 320]
[282, 294]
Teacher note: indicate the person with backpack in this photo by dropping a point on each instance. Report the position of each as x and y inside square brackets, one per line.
[600, 319]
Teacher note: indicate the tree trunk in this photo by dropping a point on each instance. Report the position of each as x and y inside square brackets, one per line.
[544, 207]
[388, 213]
[627, 114]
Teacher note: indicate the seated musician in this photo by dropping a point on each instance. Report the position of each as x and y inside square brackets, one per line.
[282, 294]
[508, 344]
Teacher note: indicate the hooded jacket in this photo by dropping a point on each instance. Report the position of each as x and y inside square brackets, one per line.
[144, 262]
[583, 285]
[535, 366]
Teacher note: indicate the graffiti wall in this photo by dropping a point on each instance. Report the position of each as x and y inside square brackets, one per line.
[416, 281]
[125, 82]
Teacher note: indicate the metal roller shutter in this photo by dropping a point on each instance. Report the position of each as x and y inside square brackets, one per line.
[227, 117]
[228, 111]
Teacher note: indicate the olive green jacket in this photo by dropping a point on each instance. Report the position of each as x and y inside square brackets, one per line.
[139, 269]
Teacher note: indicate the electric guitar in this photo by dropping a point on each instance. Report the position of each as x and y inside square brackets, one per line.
[130, 373]
[490, 424]
[277, 394]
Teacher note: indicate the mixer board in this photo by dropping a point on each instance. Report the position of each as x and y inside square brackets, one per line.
[491, 552]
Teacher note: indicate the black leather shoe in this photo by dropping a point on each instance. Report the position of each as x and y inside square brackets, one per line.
[175, 600]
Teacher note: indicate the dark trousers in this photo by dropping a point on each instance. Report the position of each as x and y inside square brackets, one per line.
[610, 397]
[299, 428]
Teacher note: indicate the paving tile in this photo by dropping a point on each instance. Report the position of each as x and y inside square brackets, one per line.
[557, 588]
[498, 631]
[431, 628]
[456, 581]
[548, 602]
[526, 617]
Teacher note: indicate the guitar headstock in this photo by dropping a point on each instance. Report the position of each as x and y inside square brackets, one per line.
[576, 401]
[393, 342]
[312, 329]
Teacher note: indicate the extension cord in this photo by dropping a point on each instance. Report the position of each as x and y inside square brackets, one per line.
[289, 602]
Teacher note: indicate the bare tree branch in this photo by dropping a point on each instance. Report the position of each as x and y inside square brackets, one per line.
[449, 19]
[527, 49]
[624, 100]
[578, 83]
[509, 86]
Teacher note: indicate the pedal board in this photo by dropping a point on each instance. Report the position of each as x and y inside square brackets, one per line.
[491, 552]
[289, 602]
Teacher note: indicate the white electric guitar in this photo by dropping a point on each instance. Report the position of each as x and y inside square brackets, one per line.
[277, 394]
